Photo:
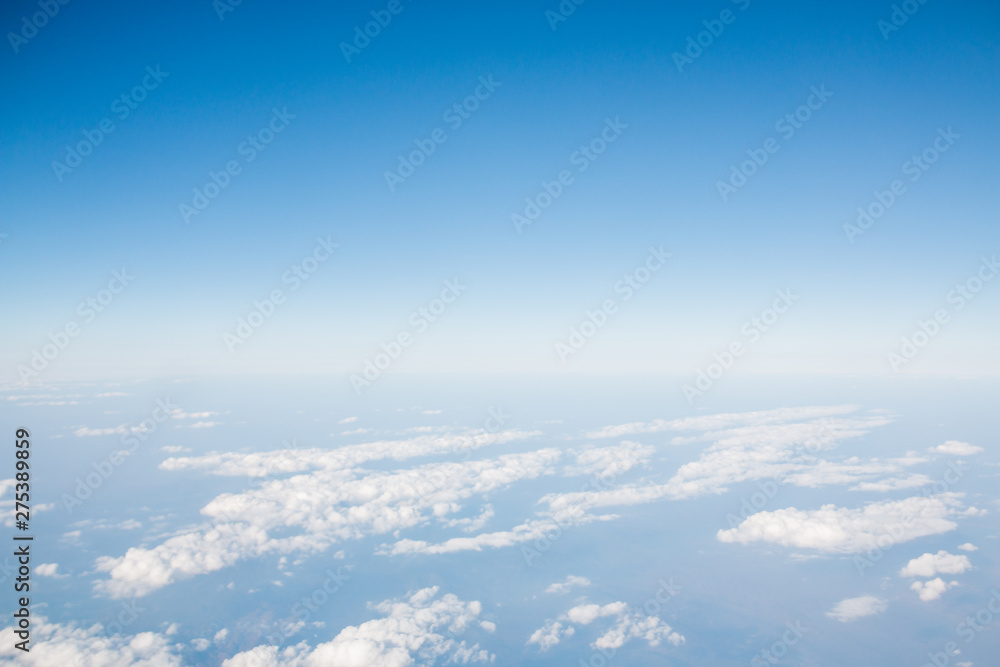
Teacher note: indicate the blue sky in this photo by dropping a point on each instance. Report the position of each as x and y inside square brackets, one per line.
[656, 185]
[407, 307]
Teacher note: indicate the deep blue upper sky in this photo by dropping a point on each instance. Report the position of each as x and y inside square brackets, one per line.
[655, 185]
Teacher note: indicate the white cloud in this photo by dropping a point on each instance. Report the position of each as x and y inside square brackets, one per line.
[585, 614]
[568, 584]
[770, 451]
[108, 524]
[56, 399]
[337, 501]
[49, 570]
[957, 448]
[58, 644]
[930, 564]
[180, 414]
[221, 635]
[636, 626]
[852, 609]
[320, 509]
[262, 464]
[200, 644]
[550, 634]
[473, 524]
[431, 412]
[894, 483]
[31, 403]
[407, 631]
[563, 511]
[738, 454]
[7, 506]
[348, 420]
[175, 449]
[968, 546]
[528, 531]
[835, 529]
[780, 451]
[611, 461]
[713, 422]
[933, 589]
[627, 625]
[121, 429]
[317, 498]
[125, 429]
[208, 424]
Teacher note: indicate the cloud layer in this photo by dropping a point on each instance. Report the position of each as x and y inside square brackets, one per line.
[308, 500]
[627, 625]
[929, 565]
[957, 448]
[423, 626]
[57, 644]
[852, 609]
[835, 529]
[933, 589]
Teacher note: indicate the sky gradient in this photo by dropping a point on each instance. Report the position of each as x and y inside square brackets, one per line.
[220, 80]
[540, 333]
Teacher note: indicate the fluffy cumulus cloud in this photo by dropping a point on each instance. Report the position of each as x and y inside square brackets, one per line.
[422, 629]
[957, 448]
[929, 565]
[57, 644]
[315, 498]
[835, 529]
[318, 498]
[784, 452]
[625, 626]
[319, 509]
[550, 634]
[48, 570]
[333, 499]
[610, 461]
[568, 584]
[756, 446]
[558, 512]
[933, 589]
[7, 507]
[472, 524]
[852, 609]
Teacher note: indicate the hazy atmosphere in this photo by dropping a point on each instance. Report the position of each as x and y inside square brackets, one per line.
[526, 333]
